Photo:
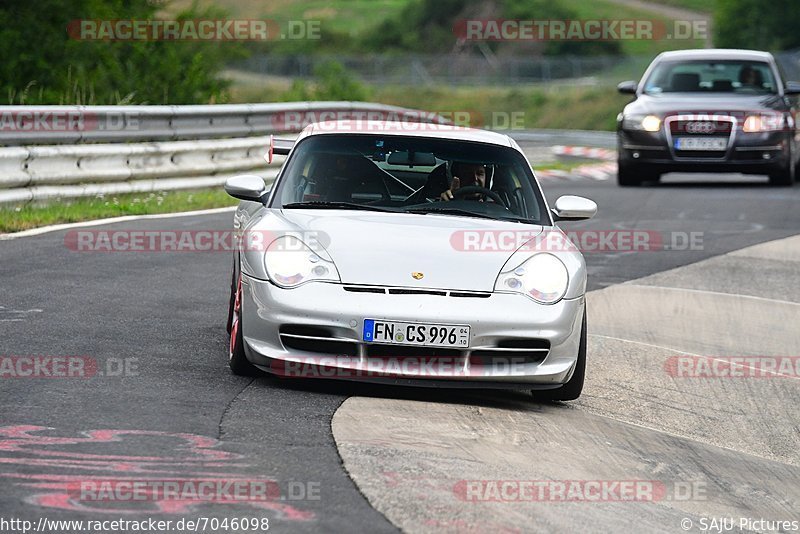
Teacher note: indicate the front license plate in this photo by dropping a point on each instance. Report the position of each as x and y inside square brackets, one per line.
[401, 333]
[701, 143]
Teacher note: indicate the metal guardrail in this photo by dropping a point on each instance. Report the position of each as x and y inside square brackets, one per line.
[185, 149]
[69, 171]
[546, 137]
[40, 125]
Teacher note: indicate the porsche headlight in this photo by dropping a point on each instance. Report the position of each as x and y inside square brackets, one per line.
[290, 263]
[542, 277]
[648, 123]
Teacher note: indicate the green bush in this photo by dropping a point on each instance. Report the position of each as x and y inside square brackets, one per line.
[42, 64]
[427, 26]
[332, 82]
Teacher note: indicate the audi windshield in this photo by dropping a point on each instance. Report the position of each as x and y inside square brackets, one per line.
[711, 76]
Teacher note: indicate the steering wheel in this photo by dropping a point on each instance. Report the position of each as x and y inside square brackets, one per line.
[472, 189]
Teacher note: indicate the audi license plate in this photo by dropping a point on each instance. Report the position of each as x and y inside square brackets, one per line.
[701, 143]
[401, 333]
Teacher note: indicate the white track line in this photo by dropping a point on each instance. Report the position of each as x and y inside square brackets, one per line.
[707, 292]
[687, 353]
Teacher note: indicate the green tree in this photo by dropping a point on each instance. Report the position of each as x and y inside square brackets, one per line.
[757, 24]
[549, 9]
[427, 26]
[422, 26]
[44, 64]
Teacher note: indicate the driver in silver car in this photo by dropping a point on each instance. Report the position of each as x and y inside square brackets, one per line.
[465, 175]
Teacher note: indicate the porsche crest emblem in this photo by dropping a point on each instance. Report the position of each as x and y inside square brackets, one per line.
[417, 276]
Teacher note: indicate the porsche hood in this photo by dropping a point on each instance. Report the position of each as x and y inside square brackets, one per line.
[408, 250]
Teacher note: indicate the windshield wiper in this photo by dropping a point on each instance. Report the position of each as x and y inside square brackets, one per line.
[466, 213]
[335, 206]
[450, 211]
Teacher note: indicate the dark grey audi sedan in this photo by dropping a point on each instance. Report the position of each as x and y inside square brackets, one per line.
[709, 111]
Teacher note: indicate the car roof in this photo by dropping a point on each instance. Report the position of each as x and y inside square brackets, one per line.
[717, 53]
[406, 129]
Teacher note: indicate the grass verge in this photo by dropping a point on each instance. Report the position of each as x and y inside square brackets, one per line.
[574, 108]
[552, 106]
[18, 218]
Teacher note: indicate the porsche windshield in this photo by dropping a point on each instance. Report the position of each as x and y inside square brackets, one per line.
[410, 175]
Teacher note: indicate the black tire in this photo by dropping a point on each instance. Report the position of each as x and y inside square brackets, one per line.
[237, 359]
[784, 177]
[572, 389]
[232, 299]
[627, 176]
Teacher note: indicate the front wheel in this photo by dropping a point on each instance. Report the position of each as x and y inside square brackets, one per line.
[631, 176]
[572, 389]
[237, 360]
[626, 176]
[784, 177]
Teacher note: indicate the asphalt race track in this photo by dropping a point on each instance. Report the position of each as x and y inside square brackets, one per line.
[163, 406]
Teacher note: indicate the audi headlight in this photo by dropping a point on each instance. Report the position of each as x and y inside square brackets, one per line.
[290, 263]
[542, 277]
[762, 123]
[648, 123]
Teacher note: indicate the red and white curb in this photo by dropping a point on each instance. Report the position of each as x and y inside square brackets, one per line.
[593, 171]
[600, 171]
[604, 154]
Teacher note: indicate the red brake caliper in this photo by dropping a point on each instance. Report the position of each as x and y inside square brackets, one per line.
[237, 305]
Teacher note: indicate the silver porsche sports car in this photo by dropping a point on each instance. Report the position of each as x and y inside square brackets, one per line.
[407, 254]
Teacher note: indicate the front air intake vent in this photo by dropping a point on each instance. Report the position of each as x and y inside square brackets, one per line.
[312, 339]
[411, 291]
[470, 295]
[365, 289]
[417, 291]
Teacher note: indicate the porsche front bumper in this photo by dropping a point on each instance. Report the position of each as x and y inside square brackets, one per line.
[315, 331]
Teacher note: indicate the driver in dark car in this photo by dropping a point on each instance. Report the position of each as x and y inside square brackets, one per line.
[465, 175]
[750, 77]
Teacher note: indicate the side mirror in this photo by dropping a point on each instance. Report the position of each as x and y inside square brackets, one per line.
[572, 208]
[247, 187]
[792, 88]
[627, 88]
